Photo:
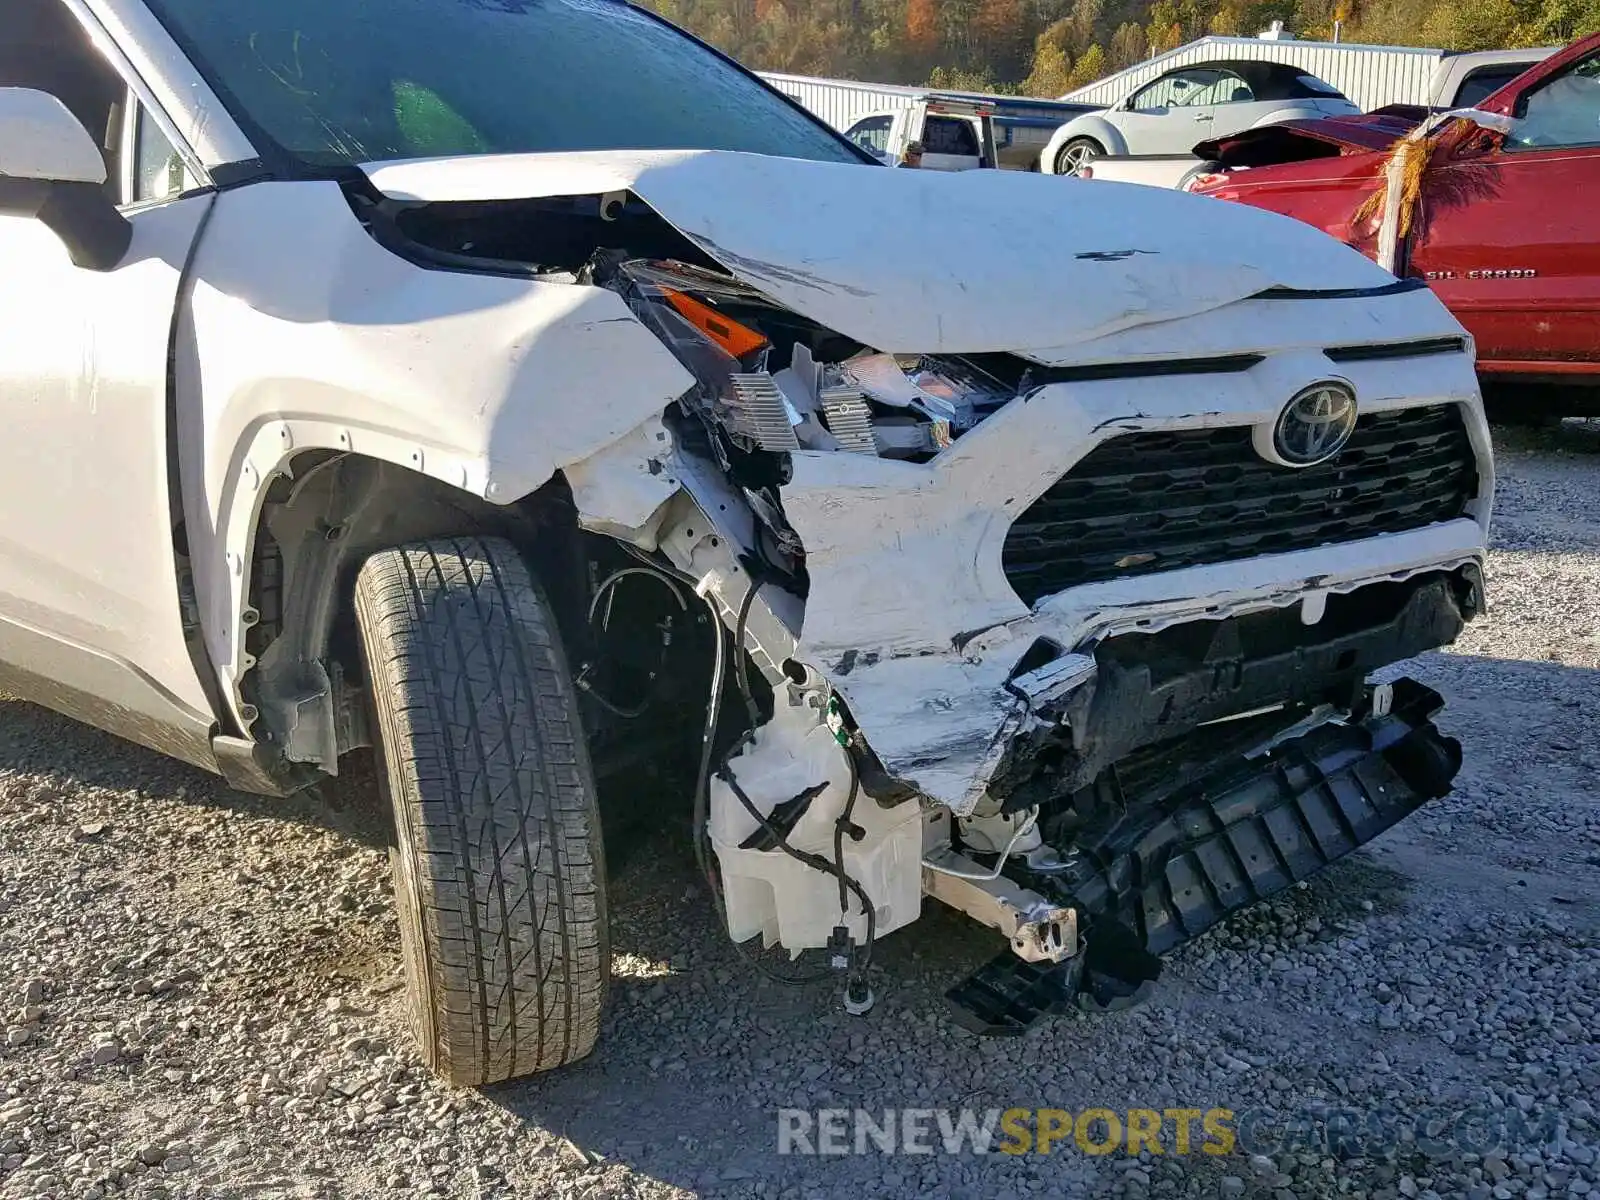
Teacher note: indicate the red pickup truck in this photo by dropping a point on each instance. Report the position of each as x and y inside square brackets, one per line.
[1505, 225]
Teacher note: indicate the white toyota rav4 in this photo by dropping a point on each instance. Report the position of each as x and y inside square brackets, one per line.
[520, 388]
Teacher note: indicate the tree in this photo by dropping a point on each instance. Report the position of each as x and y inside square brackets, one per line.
[1480, 25]
[1085, 23]
[954, 79]
[922, 24]
[1052, 69]
[957, 19]
[1050, 46]
[999, 36]
[1229, 20]
[1127, 45]
[1089, 67]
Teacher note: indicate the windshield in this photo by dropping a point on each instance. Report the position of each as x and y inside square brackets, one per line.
[338, 82]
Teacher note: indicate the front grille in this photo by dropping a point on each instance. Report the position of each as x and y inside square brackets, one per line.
[1147, 502]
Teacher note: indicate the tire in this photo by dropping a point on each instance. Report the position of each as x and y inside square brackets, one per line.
[499, 869]
[1077, 152]
[1194, 172]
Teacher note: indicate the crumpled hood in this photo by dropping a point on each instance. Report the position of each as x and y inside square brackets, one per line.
[913, 261]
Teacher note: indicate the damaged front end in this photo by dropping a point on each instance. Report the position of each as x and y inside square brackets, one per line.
[1123, 791]
[1076, 636]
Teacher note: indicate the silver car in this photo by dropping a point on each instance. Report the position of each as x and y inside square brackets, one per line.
[1192, 104]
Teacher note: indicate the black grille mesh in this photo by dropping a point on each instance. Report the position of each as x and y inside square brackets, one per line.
[1146, 502]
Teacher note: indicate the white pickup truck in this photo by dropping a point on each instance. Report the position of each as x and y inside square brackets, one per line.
[448, 386]
[1459, 81]
[960, 132]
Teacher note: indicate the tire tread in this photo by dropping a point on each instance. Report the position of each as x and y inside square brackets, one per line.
[499, 869]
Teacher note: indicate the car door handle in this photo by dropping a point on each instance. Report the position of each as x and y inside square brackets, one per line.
[1204, 117]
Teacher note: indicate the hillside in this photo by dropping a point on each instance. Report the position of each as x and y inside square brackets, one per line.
[1045, 47]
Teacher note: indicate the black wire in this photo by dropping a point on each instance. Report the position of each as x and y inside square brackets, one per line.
[652, 571]
[702, 803]
[838, 856]
[626, 714]
[666, 568]
[702, 788]
[839, 828]
[741, 668]
[609, 584]
[701, 832]
[815, 861]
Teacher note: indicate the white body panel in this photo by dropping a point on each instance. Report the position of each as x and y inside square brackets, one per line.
[479, 381]
[86, 554]
[1162, 171]
[303, 332]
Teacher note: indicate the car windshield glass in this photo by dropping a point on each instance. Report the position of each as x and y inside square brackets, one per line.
[336, 82]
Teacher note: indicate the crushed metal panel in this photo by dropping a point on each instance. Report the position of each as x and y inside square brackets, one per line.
[487, 383]
[1283, 324]
[621, 490]
[910, 615]
[848, 246]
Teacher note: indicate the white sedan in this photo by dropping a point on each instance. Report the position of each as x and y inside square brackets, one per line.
[1190, 104]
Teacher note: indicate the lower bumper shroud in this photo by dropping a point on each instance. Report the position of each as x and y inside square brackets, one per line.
[1157, 870]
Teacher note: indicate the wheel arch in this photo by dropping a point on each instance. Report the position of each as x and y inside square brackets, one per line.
[1092, 126]
[315, 518]
[302, 341]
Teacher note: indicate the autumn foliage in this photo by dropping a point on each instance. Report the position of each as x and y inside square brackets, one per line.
[1046, 47]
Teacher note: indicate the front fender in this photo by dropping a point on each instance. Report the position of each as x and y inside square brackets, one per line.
[300, 332]
[1090, 125]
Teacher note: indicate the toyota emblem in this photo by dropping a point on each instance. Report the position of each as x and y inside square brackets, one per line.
[1316, 424]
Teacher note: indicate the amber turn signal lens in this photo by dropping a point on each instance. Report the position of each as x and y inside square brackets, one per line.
[733, 337]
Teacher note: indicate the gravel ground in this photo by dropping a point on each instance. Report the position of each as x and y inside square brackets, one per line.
[199, 990]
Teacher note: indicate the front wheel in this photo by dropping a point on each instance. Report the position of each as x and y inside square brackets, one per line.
[1078, 153]
[499, 870]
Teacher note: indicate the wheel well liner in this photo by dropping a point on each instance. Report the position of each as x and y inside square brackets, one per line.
[319, 522]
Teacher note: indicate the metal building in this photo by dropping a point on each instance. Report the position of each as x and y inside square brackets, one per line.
[1371, 76]
[840, 102]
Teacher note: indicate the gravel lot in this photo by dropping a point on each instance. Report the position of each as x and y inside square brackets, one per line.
[199, 989]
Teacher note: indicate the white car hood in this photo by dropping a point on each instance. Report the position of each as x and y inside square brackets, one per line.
[912, 261]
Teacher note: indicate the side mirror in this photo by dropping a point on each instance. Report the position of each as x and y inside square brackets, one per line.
[50, 170]
[1479, 141]
[1471, 133]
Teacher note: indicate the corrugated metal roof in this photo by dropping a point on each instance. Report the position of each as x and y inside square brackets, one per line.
[1371, 76]
[840, 102]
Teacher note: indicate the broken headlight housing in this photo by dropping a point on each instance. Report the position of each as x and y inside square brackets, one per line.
[769, 382]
